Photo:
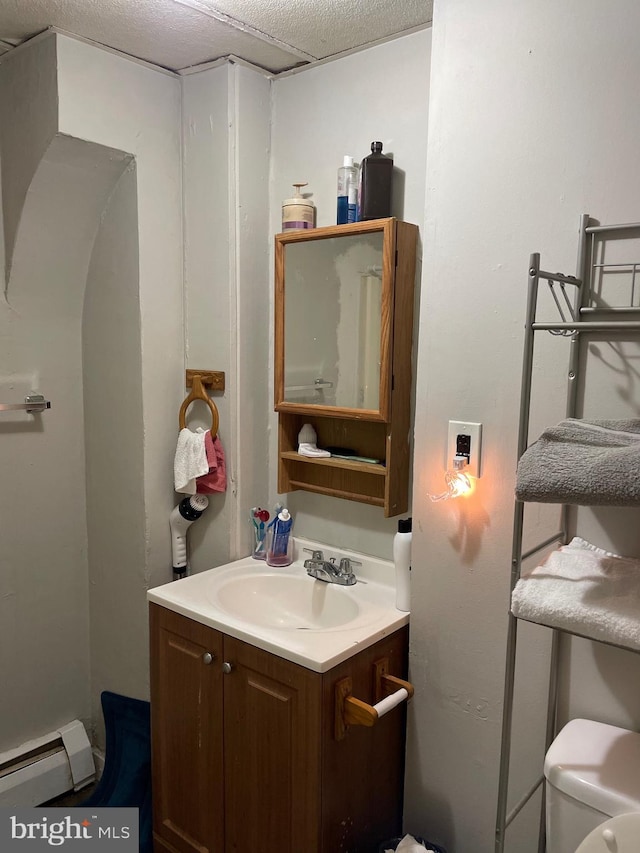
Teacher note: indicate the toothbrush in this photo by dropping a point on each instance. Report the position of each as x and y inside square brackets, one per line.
[263, 515]
[259, 516]
[258, 539]
[276, 513]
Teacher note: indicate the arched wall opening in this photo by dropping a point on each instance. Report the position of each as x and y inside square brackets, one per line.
[70, 329]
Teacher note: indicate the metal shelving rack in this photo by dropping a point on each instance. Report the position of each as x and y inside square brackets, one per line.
[582, 312]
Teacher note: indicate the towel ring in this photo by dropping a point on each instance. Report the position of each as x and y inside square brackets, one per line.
[198, 392]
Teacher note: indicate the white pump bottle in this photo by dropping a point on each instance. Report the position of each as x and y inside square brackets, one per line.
[402, 561]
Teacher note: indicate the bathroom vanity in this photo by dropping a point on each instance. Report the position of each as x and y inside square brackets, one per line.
[252, 747]
[343, 337]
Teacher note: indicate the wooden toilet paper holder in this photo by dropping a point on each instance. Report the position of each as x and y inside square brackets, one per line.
[389, 691]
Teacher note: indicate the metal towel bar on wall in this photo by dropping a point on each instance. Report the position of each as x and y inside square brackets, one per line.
[33, 405]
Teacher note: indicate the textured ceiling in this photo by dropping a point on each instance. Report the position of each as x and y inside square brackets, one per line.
[178, 34]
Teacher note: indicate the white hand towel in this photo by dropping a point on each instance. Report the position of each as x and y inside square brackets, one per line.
[190, 460]
[409, 845]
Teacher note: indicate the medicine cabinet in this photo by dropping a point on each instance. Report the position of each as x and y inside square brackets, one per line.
[343, 337]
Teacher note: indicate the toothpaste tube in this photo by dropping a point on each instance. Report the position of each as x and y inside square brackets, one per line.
[279, 550]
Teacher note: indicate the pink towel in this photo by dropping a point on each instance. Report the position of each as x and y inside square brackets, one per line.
[216, 479]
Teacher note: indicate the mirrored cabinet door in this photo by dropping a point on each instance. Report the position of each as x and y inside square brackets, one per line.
[336, 346]
[343, 337]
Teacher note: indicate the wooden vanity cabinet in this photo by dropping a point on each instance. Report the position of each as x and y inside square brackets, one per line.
[248, 760]
[348, 341]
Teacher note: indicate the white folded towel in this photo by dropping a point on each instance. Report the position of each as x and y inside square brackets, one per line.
[586, 590]
[190, 460]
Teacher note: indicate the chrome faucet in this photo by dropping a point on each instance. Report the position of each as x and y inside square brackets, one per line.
[326, 570]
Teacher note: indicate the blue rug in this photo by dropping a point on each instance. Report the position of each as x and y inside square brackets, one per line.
[126, 780]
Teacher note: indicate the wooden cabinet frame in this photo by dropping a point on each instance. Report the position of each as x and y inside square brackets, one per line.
[382, 433]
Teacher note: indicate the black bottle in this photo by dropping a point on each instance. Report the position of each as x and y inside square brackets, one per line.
[375, 184]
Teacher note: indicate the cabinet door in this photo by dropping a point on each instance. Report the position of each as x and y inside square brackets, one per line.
[186, 721]
[272, 753]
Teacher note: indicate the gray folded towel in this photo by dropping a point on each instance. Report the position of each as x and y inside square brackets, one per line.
[592, 463]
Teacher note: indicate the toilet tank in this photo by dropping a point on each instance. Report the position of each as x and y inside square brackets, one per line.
[592, 773]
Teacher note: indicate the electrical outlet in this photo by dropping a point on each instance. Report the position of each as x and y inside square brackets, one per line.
[465, 439]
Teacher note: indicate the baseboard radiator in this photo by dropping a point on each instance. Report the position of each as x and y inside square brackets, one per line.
[42, 769]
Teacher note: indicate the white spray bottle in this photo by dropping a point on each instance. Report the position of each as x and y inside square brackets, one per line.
[182, 517]
[402, 561]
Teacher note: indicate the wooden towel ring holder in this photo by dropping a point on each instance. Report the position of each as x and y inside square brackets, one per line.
[198, 392]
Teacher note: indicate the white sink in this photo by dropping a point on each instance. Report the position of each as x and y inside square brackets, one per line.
[288, 602]
[284, 611]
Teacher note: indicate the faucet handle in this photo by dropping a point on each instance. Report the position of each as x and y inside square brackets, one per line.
[315, 555]
[346, 565]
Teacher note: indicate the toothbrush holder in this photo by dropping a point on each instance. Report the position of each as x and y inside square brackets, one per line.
[279, 547]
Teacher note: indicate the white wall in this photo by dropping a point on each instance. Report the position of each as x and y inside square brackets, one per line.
[226, 132]
[110, 100]
[113, 101]
[253, 293]
[28, 98]
[44, 564]
[103, 105]
[208, 295]
[319, 115]
[532, 123]
[112, 382]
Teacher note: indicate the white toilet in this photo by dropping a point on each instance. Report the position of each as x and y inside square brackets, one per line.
[620, 834]
[592, 774]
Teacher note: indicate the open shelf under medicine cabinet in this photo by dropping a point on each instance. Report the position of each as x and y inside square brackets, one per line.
[343, 338]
